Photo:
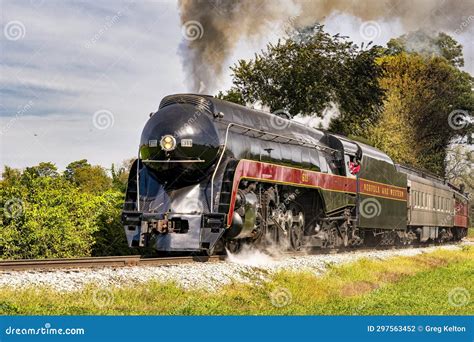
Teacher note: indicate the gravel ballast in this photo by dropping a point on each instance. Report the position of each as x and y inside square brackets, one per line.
[249, 266]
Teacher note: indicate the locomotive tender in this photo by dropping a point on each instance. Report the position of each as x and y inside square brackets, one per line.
[212, 175]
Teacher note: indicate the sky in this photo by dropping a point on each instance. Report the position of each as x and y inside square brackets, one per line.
[78, 79]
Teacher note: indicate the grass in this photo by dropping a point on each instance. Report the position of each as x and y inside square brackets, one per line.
[470, 233]
[437, 283]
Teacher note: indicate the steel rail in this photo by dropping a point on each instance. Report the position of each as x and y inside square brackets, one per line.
[96, 262]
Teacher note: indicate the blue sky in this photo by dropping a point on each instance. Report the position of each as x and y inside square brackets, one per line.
[78, 79]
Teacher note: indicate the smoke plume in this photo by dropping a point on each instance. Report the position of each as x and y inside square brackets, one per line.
[221, 23]
[212, 28]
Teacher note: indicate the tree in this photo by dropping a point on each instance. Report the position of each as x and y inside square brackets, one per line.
[44, 169]
[93, 179]
[360, 98]
[428, 45]
[71, 169]
[307, 72]
[232, 95]
[120, 174]
[10, 176]
[422, 93]
[459, 163]
[400, 99]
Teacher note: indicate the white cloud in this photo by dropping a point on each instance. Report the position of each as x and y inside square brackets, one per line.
[74, 60]
[39, 139]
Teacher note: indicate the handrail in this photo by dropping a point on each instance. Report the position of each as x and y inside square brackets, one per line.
[138, 180]
[175, 161]
[289, 139]
[218, 164]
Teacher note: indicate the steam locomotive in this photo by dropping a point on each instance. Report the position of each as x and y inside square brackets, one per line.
[212, 175]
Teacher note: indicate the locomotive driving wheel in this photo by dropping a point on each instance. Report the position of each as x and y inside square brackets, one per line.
[233, 246]
[296, 233]
[296, 237]
[332, 235]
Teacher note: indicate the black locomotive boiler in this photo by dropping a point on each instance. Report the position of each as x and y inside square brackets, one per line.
[212, 175]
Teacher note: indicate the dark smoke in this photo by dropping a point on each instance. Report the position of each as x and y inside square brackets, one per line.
[222, 24]
[212, 28]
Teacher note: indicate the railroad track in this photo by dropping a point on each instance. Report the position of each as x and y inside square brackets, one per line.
[137, 260]
[94, 262]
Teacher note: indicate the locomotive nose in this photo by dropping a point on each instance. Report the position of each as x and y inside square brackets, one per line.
[179, 140]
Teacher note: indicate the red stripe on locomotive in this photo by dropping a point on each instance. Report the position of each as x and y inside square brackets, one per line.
[249, 169]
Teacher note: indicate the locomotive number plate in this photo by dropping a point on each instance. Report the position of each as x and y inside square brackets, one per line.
[186, 142]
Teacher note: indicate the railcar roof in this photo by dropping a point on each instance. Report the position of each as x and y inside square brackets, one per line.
[427, 177]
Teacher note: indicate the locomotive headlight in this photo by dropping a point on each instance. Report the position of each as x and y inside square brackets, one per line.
[168, 143]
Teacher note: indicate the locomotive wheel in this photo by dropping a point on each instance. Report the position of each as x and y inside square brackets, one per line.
[274, 232]
[296, 237]
[332, 236]
[275, 235]
[233, 246]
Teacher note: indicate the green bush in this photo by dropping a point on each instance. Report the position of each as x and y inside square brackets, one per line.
[110, 238]
[45, 215]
